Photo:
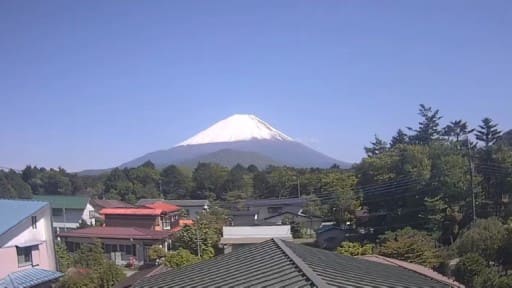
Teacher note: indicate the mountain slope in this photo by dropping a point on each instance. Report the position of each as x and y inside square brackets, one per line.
[239, 139]
[230, 157]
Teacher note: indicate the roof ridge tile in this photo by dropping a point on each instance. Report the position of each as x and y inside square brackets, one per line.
[319, 282]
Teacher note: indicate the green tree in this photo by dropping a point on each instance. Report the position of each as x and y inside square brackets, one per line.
[484, 238]
[468, 268]
[181, 257]
[208, 181]
[428, 129]
[410, 245]
[487, 132]
[156, 252]
[103, 273]
[378, 146]
[64, 260]
[175, 183]
[400, 138]
[354, 249]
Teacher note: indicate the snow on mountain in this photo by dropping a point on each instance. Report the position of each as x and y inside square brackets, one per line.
[238, 127]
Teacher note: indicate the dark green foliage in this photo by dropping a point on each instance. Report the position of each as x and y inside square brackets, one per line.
[64, 259]
[484, 238]
[428, 128]
[487, 132]
[175, 183]
[400, 138]
[91, 269]
[12, 186]
[468, 268]
[378, 146]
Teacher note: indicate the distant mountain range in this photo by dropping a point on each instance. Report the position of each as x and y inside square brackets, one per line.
[240, 138]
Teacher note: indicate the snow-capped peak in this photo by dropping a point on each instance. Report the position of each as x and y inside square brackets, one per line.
[239, 127]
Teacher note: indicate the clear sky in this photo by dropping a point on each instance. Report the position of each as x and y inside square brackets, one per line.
[92, 84]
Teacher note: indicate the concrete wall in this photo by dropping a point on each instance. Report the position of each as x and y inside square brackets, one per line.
[43, 254]
[282, 231]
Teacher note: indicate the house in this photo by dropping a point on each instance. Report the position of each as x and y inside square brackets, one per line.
[236, 237]
[242, 218]
[278, 263]
[68, 211]
[129, 233]
[99, 204]
[191, 208]
[270, 207]
[309, 222]
[26, 244]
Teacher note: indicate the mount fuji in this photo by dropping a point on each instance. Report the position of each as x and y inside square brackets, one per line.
[243, 139]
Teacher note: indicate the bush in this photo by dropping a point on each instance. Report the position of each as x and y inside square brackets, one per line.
[354, 249]
[181, 257]
[410, 245]
[484, 238]
[468, 268]
[156, 252]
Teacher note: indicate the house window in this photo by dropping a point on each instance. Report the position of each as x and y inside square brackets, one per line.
[34, 222]
[24, 256]
[56, 212]
[127, 249]
[166, 222]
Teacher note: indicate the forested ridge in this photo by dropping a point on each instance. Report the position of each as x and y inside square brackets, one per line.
[421, 193]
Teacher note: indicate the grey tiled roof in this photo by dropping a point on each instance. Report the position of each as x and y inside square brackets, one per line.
[29, 278]
[277, 263]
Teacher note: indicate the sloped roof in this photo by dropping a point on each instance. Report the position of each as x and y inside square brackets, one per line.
[414, 267]
[105, 203]
[118, 233]
[61, 201]
[15, 211]
[29, 278]
[155, 209]
[277, 202]
[277, 263]
[165, 207]
[181, 203]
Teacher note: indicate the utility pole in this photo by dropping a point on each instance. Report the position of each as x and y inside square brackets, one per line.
[298, 185]
[471, 178]
[198, 241]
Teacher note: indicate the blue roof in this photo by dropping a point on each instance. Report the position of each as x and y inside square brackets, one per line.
[14, 211]
[28, 278]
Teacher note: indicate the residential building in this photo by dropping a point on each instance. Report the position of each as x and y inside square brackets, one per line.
[278, 263]
[129, 233]
[270, 207]
[309, 222]
[191, 208]
[68, 211]
[99, 204]
[26, 243]
[236, 237]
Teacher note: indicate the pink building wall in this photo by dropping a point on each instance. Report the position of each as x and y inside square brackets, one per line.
[9, 260]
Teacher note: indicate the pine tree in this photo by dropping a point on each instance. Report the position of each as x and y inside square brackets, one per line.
[428, 129]
[488, 132]
[400, 138]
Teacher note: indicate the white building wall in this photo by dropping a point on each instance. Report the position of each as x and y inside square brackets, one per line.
[281, 231]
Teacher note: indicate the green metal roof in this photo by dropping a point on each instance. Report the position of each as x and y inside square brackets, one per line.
[277, 263]
[60, 201]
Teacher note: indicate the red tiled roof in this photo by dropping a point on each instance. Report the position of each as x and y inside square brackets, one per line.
[413, 267]
[117, 233]
[131, 211]
[165, 207]
[105, 203]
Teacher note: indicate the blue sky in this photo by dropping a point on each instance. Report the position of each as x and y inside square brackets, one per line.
[92, 84]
